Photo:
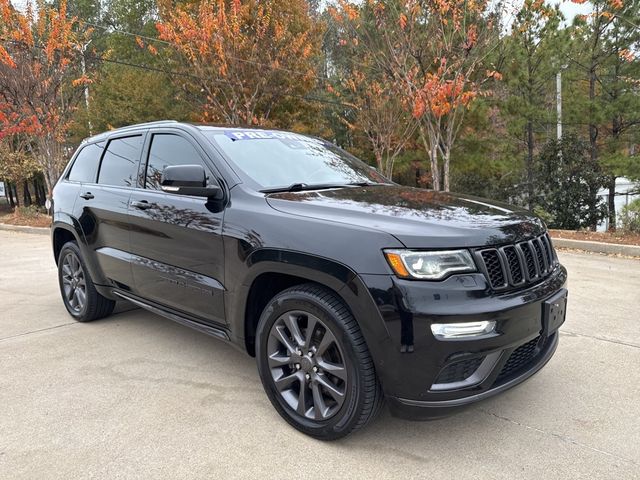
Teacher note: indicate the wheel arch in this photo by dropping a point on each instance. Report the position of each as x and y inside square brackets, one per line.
[62, 233]
[272, 271]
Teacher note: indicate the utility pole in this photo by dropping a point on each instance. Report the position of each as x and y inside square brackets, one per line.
[559, 103]
[83, 69]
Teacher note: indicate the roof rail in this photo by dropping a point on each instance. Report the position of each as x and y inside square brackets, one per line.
[127, 127]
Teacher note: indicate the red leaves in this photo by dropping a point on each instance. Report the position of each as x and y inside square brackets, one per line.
[402, 21]
[40, 58]
[440, 98]
[235, 51]
[5, 58]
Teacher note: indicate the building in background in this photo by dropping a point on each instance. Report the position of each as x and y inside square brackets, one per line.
[626, 192]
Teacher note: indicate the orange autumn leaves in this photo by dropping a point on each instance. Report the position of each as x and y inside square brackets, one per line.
[446, 84]
[41, 49]
[241, 54]
[441, 97]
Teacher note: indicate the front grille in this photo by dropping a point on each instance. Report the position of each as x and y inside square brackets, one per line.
[494, 268]
[520, 264]
[519, 359]
[458, 371]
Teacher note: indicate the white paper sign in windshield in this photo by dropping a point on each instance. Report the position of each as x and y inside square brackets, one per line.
[267, 135]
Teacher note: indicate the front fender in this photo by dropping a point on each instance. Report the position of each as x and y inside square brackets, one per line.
[329, 273]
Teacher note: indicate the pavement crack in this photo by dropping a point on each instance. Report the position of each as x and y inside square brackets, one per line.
[596, 337]
[36, 331]
[559, 436]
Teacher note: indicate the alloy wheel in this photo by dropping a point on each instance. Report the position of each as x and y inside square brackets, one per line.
[74, 282]
[307, 365]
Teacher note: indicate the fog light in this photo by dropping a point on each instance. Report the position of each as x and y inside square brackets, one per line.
[462, 330]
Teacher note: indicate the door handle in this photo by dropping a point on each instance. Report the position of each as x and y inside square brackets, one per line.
[142, 204]
[87, 196]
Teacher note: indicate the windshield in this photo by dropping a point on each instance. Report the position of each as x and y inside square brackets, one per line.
[275, 159]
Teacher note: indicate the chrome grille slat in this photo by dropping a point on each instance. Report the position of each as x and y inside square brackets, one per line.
[512, 266]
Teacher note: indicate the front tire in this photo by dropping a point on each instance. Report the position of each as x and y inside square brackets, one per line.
[314, 364]
[80, 297]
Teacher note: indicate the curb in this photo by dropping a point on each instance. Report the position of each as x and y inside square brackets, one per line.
[24, 229]
[598, 247]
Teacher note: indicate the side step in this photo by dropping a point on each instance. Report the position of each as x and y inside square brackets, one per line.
[176, 317]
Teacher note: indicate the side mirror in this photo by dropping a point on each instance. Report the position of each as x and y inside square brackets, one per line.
[189, 180]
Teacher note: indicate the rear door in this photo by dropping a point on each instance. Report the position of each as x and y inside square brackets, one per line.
[176, 240]
[102, 206]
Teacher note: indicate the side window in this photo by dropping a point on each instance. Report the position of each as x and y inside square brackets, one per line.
[168, 150]
[120, 162]
[85, 166]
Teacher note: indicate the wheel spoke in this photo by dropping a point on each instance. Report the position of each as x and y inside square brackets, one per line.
[302, 400]
[67, 290]
[279, 360]
[283, 383]
[73, 300]
[325, 343]
[78, 267]
[319, 405]
[332, 369]
[284, 339]
[291, 321]
[312, 323]
[66, 269]
[336, 394]
[81, 297]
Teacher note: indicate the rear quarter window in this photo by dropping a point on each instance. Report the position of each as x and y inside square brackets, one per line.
[119, 165]
[85, 166]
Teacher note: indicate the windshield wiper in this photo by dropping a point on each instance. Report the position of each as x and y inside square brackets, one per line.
[299, 187]
[366, 184]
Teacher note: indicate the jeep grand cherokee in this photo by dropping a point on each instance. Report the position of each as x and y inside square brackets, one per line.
[346, 287]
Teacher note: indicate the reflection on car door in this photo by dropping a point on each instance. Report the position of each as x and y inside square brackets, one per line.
[176, 240]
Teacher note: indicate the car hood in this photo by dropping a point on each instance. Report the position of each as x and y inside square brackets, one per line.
[416, 217]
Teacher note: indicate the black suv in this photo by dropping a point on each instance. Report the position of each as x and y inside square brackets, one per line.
[346, 287]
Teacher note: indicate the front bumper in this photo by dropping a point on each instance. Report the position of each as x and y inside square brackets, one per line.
[425, 377]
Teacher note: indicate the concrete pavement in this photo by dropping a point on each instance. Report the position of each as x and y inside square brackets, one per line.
[137, 396]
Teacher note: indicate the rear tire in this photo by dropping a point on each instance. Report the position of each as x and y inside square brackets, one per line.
[314, 363]
[80, 297]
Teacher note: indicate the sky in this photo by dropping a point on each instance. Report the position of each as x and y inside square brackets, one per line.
[569, 9]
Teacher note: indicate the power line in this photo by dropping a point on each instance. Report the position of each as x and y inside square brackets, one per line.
[308, 98]
[164, 42]
[220, 82]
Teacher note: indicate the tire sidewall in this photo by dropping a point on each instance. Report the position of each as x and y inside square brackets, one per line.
[345, 419]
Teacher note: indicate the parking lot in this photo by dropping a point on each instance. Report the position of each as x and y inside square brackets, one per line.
[138, 396]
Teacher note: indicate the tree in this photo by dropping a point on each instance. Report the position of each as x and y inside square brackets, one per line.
[40, 86]
[603, 42]
[566, 175]
[375, 108]
[432, 52]
[242, 61]
[16, 164]
[533, 56]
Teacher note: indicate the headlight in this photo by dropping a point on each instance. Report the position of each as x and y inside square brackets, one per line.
[429, 265]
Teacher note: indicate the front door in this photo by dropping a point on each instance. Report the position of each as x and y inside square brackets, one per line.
[176, 240]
